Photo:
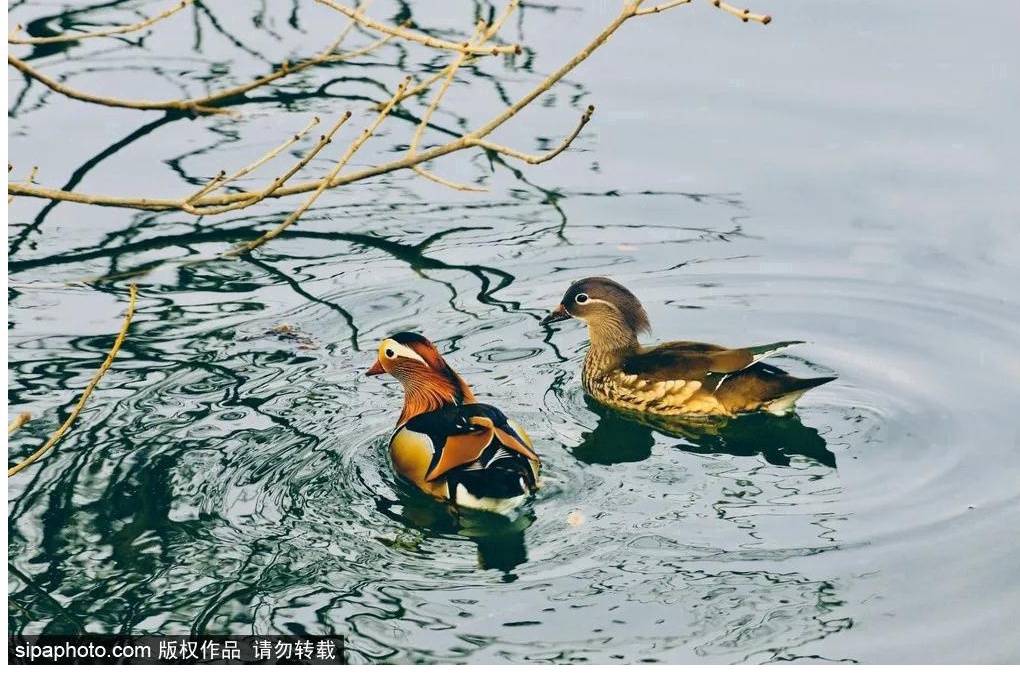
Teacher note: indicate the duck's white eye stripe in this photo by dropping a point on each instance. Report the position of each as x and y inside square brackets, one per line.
[581, 299]
[395, 349]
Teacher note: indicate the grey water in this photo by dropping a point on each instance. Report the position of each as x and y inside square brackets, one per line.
[846, 176]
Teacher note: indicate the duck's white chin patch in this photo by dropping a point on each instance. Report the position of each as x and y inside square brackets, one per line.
[500, 506]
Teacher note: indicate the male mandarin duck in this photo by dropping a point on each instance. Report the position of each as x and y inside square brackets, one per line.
[447, 443]
[675, 378]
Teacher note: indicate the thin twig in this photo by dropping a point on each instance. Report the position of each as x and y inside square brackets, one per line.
[278, 181]
[223, 201]
[142, 105]
[221, 179]
[360, 6]
[69, 421]
[116, 30]
[535, 159]
[419, 88]
[414, 36]
[661, 8]
[326, 181]
[18, 421]
[28, 180]
[482, 35]
[510, 8]
[744, 15]
[216, 181]
[438, 75]
[479, 37]
[198, 105]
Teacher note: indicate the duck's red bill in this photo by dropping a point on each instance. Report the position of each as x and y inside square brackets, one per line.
[376, 369]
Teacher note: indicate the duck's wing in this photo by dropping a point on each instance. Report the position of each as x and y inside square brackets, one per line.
[696, 360]
[461, 436]
[766, 387]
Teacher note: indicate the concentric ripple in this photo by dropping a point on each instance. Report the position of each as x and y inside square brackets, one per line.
[241, 480]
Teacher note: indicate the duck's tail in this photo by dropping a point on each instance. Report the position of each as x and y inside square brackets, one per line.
[794, 389]
[764, 351]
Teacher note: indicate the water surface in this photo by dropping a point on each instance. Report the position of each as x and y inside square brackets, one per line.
[846, 176]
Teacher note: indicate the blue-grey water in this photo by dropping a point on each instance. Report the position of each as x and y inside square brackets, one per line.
[845, 176]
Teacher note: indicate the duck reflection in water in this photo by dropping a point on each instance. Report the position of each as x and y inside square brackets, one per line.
[626, 438]
[499, 539]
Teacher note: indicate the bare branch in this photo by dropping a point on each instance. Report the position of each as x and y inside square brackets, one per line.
[419, 88]
[28, 180]
[213, 183]
[744, 15]
[535, 159]
[116, 30]
[510, 8]
[221, 179]
[360, 6]
[661, 8]
[277, 182]
[18, 421]
[69, 421]
[212, 202]
[198, 105]
[414, 36]
[144, 105]
[328, 180]
[479, 36]
[433, 79]
[446, 182]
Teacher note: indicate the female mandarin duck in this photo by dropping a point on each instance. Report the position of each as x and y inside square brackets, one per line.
[675, 378]
[447, 443]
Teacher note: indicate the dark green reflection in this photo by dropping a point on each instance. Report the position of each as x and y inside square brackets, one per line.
[625, 438]
[498, 539]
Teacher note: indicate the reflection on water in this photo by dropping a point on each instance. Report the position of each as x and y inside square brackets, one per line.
[621, 438]
[231, 473]
[499, 539]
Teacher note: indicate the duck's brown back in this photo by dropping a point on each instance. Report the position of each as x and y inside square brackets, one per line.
[697, 379]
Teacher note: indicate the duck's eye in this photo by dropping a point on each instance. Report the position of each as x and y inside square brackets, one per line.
[390, 353]
[581, 299]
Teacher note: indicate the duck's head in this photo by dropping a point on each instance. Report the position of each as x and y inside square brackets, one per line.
[406, 356]
[429, 382]
[610, 310]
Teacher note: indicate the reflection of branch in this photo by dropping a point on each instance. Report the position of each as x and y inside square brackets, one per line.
[535, 159]
[209, 203]
[197, 105]
[419, 88]
[324, 183]
[79, 174]
[116, 30]
[414, 36]
[66, 425]
[41, 593]
[297, 288]
[191, 105]
[479, 38]
[279, 181]
[221, 179]
[203, 105]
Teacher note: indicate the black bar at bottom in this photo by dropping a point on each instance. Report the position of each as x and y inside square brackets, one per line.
[99, 649]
